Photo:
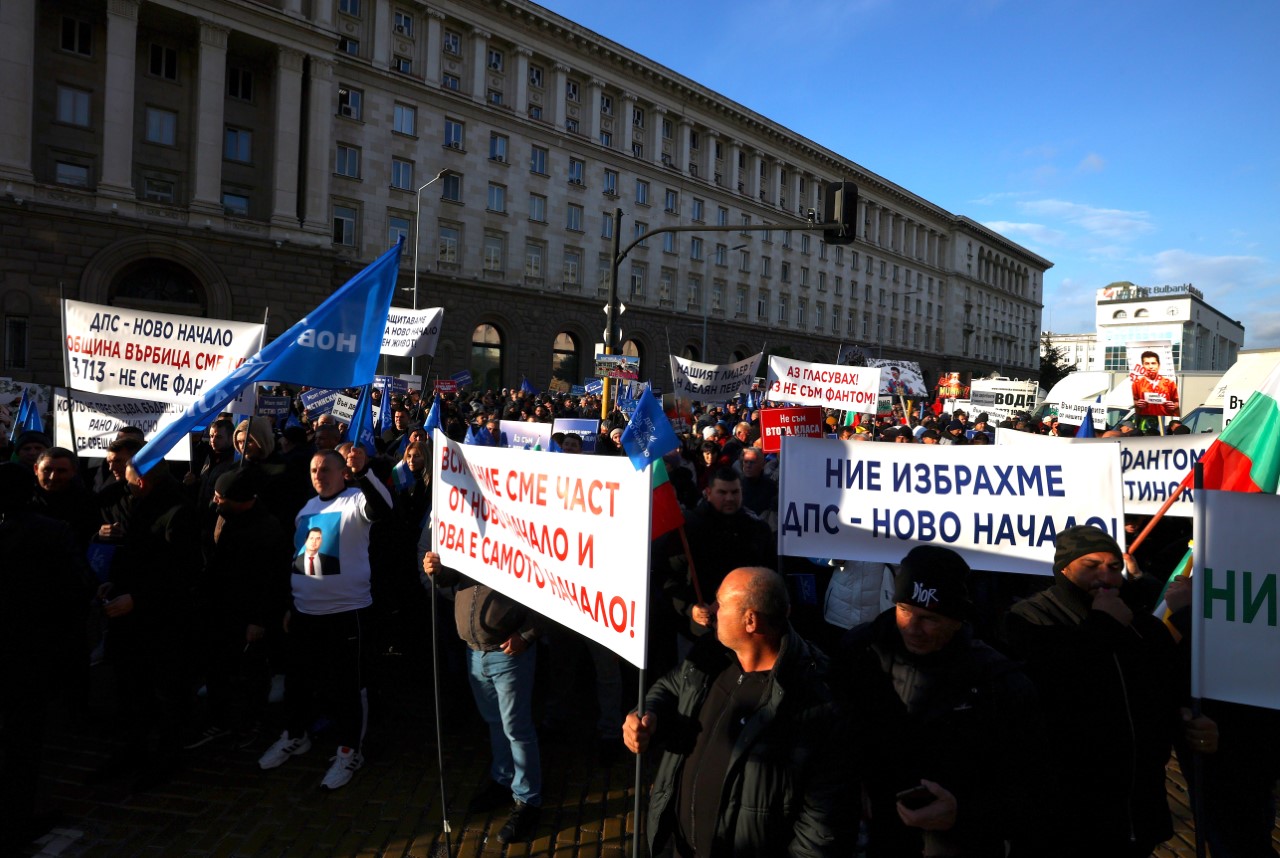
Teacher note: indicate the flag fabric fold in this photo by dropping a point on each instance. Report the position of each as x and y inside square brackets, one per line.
[361, 429]
[648, 435]
[336, 345]
[386, 420]
[1245, 457]
[1086, 426]
[432, 423]
[667, 515]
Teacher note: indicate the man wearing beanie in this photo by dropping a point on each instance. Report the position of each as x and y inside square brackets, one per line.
[938, 712]
[1107, 680]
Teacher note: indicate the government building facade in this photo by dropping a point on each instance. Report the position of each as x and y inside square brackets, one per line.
[240, 160]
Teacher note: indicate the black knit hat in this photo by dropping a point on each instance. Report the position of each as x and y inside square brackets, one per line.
[237, 485]
[1081, 540]
[933, 578]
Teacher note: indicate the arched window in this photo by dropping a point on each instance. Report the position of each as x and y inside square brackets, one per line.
[1141, 314]
[691, 353]
[564, 362]
[486, 357]
[1119, 314]
[160, 285]
[737, 356]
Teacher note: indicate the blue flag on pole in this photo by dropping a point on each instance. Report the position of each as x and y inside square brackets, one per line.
[471, 438]
[432, 423]
[361, 429]
[649, 434]
[385, 419]
[1086, 427]
[337, 345]
[526, 387]
[31, 421]
[18, 426]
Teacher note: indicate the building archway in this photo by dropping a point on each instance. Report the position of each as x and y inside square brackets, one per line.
[157, 274]
[486, 357]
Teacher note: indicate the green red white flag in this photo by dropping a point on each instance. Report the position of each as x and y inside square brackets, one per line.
[667, 515]
[1246, 456]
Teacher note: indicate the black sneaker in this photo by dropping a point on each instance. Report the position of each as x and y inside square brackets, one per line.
[489, 796]
[210, 734]
[519, 824]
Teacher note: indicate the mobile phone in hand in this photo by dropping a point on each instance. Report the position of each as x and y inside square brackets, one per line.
[916, 797]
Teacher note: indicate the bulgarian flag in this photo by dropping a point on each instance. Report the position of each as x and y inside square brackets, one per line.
[667, 515]
[1246, 456]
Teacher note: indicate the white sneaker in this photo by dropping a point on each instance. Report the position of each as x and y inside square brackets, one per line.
[284, 748]
[345, 764]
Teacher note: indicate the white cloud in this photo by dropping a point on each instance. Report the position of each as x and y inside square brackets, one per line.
[1036, 232]
[1092, 163]
[1110, 223]
[1212, 274]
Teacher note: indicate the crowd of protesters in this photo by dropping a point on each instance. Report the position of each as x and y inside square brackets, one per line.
[805, 706]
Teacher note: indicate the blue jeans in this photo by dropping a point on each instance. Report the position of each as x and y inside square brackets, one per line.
[503, 688]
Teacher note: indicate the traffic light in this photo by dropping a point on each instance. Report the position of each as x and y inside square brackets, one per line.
[840, 206]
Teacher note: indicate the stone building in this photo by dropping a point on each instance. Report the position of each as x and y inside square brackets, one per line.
[242, 158]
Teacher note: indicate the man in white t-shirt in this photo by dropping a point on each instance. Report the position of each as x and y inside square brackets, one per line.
[325, 626]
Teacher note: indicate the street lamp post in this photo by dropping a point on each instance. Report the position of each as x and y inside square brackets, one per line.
[417, 246]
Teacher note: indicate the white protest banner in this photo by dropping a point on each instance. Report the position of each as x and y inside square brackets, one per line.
[98, 418]
[1153, 466]
[828, 385]
[344, 408]
[1233, 605]
[1011, 437]
[411, 333]
[1002, 398]
[1000, 508]
[712, 382]
[567, 536]
[144, 355]
[1073, 414]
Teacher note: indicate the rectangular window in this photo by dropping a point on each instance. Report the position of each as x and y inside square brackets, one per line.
[350, 103]
[782, 308]
[454, 134]
[344, 226]
[839, 255]
[451, 188]
[495, 97]
[447, 245]
[235, 204]
[641, 228]
[157, 190]
[762, 306]
[668, 242]
[572, 270]
[494, 252]
[164, 62]
[693, 139]
[452, 43]
[606, 105]
[637, 150]
[766, 266]
[535, 76]
[497, 198]
[16, 342]
[577, 169]
[404, 65]
[239, 83]
[698, 210]
[639, 274]
[695, 249]
[74, 175]
[77, 36]
[822, 281]
[349, 7]
[666, 129]
[571, 125]
[397, 228]
[495, 60]
[403, 23]
[571, 90]
[237, 145]
[535, 111]
[451, 82]
[744, 261]
[637, 117]
[671, 201]
[347, 161]
[537, 208]
[839, 286]
[401, 174]
[740, 301]
[606, 139]
[606, 228]
[404, 119]
[642, 192]
[533, 259]
[573, 218]
[822, 250]
[722, 254]
[785, 272]
[804, 276]
[497, 148]
[611, 183]
[73, 106]
[804, 242]
[348, 45]
[538, 160]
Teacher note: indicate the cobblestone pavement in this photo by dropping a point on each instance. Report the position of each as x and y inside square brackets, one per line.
[221, 805]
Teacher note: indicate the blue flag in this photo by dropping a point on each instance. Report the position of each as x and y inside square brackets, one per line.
[485, 437]
[361, 429]
[19, 426]
[337, 345]
[1086, 428]
[471, 438]
[432, 423]
[385, 420]
[649, 434]
[31, 421]
[526, 387]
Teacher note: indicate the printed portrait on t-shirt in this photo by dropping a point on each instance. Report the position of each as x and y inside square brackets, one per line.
[316, 542]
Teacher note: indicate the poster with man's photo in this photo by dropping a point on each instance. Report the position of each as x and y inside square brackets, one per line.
[1151, 371]
[899, 377]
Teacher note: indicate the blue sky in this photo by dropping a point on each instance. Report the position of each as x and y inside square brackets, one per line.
[1132, 140]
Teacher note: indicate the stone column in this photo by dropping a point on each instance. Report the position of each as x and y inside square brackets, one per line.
[707, 170]
[655, 134]
[322, 13]
[595, 89]
[628, 129]
[479, 64]
[794, 202]
[293, 8]
[775, 181]
[288, 122]
[211, 86]
[17, 96]
[733, 176]
[434, 47]
[684, 130]
[117, 111]
[315, 214]
[381, 34]
[522, 80]
[558, 94]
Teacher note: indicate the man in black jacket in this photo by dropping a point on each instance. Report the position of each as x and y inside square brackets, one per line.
[1107, 677]
[500, 634]
[753, 765]
[935, 711]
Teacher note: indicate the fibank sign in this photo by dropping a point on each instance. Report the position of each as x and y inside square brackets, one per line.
[1134, 293]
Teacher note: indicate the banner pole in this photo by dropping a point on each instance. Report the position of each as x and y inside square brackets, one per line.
[635, 814]
[66, 379]
[1197, 656]
[435, 667]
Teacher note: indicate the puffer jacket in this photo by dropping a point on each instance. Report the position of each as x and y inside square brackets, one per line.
[786, 791]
